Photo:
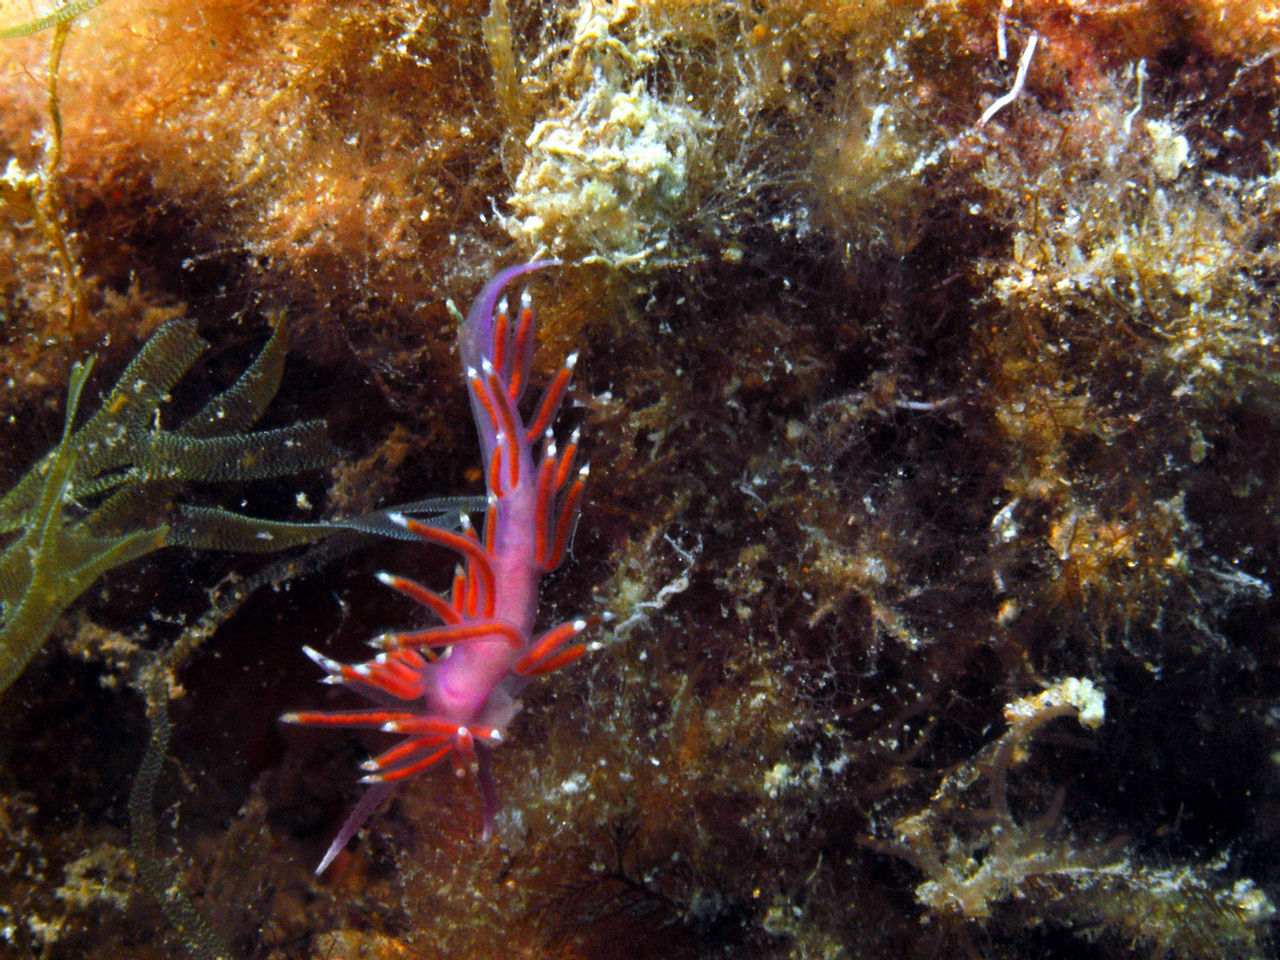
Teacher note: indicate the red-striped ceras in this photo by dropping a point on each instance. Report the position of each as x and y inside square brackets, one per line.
[451, 690]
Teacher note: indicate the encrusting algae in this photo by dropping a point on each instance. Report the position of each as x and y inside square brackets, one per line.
[930, 384]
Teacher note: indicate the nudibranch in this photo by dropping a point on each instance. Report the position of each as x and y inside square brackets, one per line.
[451, 690]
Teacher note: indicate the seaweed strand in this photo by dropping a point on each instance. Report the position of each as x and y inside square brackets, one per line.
[59, 17]
[196, 934]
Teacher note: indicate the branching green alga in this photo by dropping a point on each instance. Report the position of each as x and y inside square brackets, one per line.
[90, 504]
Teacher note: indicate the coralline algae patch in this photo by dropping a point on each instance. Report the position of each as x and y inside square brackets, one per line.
[929, 371]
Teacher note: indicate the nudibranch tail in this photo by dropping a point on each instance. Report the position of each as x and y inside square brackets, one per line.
[450, 689]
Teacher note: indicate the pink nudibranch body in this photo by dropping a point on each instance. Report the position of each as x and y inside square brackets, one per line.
[450, 690]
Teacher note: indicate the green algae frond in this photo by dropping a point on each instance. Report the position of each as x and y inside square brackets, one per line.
[197, 937]
[89, 505]
[64, 13]
[53, 561]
